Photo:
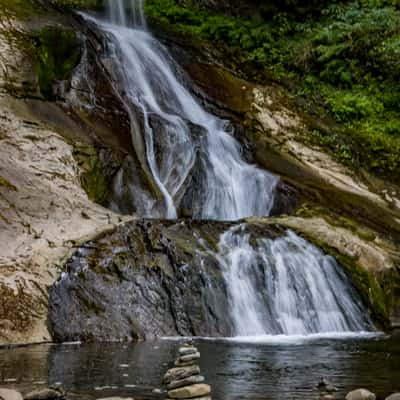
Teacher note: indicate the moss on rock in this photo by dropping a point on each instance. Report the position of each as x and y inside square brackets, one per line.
[58, 52]
[93, 179]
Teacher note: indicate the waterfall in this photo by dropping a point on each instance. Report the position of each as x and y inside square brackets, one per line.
[191, 155]
[274, 286]
[286, 286]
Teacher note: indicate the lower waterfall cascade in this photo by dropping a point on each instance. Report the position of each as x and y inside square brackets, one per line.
[286, 286]
[280, 286]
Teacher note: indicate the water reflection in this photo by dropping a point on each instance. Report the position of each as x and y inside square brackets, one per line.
[235, 370]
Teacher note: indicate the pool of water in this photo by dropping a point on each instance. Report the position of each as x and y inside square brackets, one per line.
[257, 369]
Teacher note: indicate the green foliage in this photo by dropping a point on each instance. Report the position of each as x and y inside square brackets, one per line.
[253, 37]
[353, 105]
[344, 58]
[58, 52]
[78, 3]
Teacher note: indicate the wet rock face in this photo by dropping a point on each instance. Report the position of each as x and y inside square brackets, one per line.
[147, 278]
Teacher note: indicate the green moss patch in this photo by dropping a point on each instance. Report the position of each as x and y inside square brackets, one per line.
[58, 53]
[93, 179]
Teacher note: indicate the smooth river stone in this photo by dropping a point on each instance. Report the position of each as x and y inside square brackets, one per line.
[185, 382]
[182, 364]
[116, 398]
[175, 374]
[190, 392]
[394, 396]
[187, 350]
[189, 357]
[360, 394]
[7, 394]
[196, 398]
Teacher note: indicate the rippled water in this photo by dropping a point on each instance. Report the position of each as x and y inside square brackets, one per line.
[235, 370]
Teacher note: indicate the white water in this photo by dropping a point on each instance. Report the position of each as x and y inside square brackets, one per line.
[191, 155]
[286, 286]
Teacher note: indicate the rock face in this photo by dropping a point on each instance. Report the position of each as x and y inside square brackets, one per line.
[148, 278]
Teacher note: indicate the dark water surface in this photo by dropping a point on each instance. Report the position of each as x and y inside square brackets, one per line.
[235, 370]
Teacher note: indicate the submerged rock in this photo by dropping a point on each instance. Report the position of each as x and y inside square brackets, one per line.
[7, 394]
[325, 386]
[360, 394]
[46, 394]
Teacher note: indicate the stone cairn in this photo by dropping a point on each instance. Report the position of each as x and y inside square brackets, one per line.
[184, 381]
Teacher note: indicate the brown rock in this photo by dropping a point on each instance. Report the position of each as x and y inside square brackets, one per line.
[185, 382]
[176, 374]
[189, 357]
[190, 392]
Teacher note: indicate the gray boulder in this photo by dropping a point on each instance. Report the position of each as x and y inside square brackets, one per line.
[6, 394]
[394, 396]
[360, 394]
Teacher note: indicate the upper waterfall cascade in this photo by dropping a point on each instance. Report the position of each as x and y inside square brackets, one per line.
[190, 155]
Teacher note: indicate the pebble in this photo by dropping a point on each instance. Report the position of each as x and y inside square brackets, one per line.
[360, 394]
[187, 350]
[185, 382]
[116, 398]
[189, 357]
[189, 392]
[179, 363]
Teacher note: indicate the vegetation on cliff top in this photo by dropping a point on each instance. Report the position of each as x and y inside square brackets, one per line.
[341, 61]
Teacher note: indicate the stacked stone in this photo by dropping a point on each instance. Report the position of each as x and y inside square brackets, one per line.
[184, 382]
